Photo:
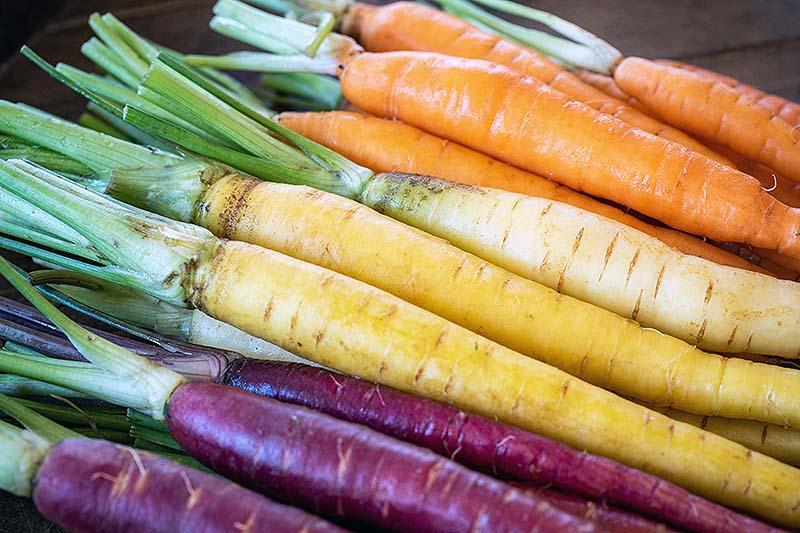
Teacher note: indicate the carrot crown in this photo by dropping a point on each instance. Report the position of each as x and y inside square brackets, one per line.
[22, 451]
[112, 373]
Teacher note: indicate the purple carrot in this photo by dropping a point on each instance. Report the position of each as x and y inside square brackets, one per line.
[336, 468]
[93, 485]
[608, 518]
[484, 444]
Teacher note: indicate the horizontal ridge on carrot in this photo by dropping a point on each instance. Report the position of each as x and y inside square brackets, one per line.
[521, 121]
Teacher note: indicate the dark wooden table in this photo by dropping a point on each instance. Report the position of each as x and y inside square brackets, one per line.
[755, 41]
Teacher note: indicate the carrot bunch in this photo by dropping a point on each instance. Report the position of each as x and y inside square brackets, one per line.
[523, 227]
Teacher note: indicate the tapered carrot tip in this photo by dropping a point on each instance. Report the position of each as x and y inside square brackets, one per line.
[94, 485]
[714, 111]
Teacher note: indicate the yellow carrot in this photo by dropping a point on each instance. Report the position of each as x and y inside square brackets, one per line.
[776, 441]
[340, 234]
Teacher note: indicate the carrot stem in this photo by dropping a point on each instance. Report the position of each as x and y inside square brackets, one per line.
[93, 122]
[264, 62]
[21, 387]
[324, 28]
[34, 420]
[606, 55]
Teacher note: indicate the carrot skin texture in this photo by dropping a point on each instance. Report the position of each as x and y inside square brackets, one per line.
[341, 469]
[610, 87]
[484, 444]
[411, 26]
[781, 107]
[517, 119]
[362, 331]
[391, 146]
[713, 111]
[610, 519]
[88, 485]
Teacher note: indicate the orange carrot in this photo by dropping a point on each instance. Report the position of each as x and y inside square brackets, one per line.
[780, 107]
[713, 111]
[391, 146]
[524, 122]
[609, 86]
[416, 27]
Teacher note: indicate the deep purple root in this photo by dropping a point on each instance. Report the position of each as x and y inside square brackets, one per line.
[87, 485]
[336, 468]
[485, 444]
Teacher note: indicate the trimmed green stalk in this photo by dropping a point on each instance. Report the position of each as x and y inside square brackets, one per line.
[69, 413]
[63, 137]
[99, 53]
[583, 50]
[244, 21]
[21, 387]
[322, 90]
[127, 55]
[264, 62]
[194, 326]
[34, 420]
[93, 122]
[122, 95]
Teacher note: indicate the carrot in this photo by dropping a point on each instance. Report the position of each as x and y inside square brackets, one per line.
[521, 121]
[713, 111]
[779, 442]
[481, 443]
[291, 452]
[785, 190]
[412, 26]
[780, 107]
[93, 485]
[698, 105]
[391, 146]
[609, 86]
[658, 178]
[360, 330]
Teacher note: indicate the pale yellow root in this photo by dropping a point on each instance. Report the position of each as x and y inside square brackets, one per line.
[360, 330]
[776, 441]
[605, 263]
[586, 341]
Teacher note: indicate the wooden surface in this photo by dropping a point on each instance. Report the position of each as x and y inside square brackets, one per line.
[757, 42]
